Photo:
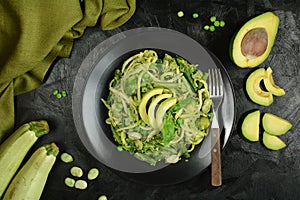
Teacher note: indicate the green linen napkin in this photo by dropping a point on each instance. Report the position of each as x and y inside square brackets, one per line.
[33, 33]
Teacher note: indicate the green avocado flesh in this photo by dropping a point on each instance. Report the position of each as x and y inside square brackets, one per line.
[252, 44]
[273, 142]
[254, 91]
[275, 125]
[144, 101]
[250, 126]
[270, 85]
[152, 109]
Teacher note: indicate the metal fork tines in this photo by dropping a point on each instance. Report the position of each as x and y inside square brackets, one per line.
[215, 84]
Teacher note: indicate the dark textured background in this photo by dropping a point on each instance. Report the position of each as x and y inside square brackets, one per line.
[250, 171]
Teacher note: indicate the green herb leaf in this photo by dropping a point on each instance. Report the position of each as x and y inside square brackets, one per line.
[168, 128]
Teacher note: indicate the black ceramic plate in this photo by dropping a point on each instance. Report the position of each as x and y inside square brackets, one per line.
[91, 84]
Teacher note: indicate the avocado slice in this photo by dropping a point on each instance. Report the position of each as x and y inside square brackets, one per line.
[273, 142]
[250, 126]
[152, 109]
[162, 109]
[252, 44]
[270, 84]
[144, 101]
[275, 125]
[254, 91]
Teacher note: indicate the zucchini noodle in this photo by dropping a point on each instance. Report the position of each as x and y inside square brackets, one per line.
[174, 91]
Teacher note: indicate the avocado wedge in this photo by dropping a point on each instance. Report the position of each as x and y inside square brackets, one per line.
[250, 126]
[153, 106]
[273, 142]
[162, 109]
[254, 91]
[144, 102]
[275, 125]
[270, 84]
[252, 44]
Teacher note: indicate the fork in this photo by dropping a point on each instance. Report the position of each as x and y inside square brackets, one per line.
[215, 84]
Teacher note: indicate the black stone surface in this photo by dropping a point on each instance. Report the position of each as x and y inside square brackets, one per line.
[250, 171]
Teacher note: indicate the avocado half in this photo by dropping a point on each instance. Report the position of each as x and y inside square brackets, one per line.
[252, 44]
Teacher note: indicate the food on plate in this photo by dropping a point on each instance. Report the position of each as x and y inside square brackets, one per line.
[273, 142]
[252, 44]
[254, 90]
[275, 125]
[250, 126]
[29, 182]
[270, 84]
[155, 106]
[14, 149]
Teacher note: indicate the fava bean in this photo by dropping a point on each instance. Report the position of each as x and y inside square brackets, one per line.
[70, 182]
[81, 184]
[203, 123]
[102, 197]
[206, 105]
[67, 158]
[76, 171]
[93, 173]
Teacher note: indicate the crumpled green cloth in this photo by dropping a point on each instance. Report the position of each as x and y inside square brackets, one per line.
[33, 33]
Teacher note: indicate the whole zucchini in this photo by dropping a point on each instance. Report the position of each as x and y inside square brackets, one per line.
[30, 181]
[14, 149]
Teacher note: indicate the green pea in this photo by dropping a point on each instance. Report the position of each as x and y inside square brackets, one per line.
[76, 171]
[179, 121]
[216, 23]
[206, 27]
[120, 148]
[213, 18]
[93, 173]
[211, 28]
[144, 85]
[195, 15]
[70, 182]
[64, 93]
[81, 184]
[180, 14]
[55, 91]
[222, 23]
[67, 158]
[146, 75]
[59, 96]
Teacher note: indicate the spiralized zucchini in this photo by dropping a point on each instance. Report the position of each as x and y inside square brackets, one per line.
[158, 109]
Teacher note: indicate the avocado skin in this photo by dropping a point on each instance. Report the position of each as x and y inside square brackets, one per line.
[235, 52]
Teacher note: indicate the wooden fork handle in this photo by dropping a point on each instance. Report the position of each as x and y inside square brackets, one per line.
[216, 173]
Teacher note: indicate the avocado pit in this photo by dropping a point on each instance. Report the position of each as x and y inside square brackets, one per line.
[254, 43]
